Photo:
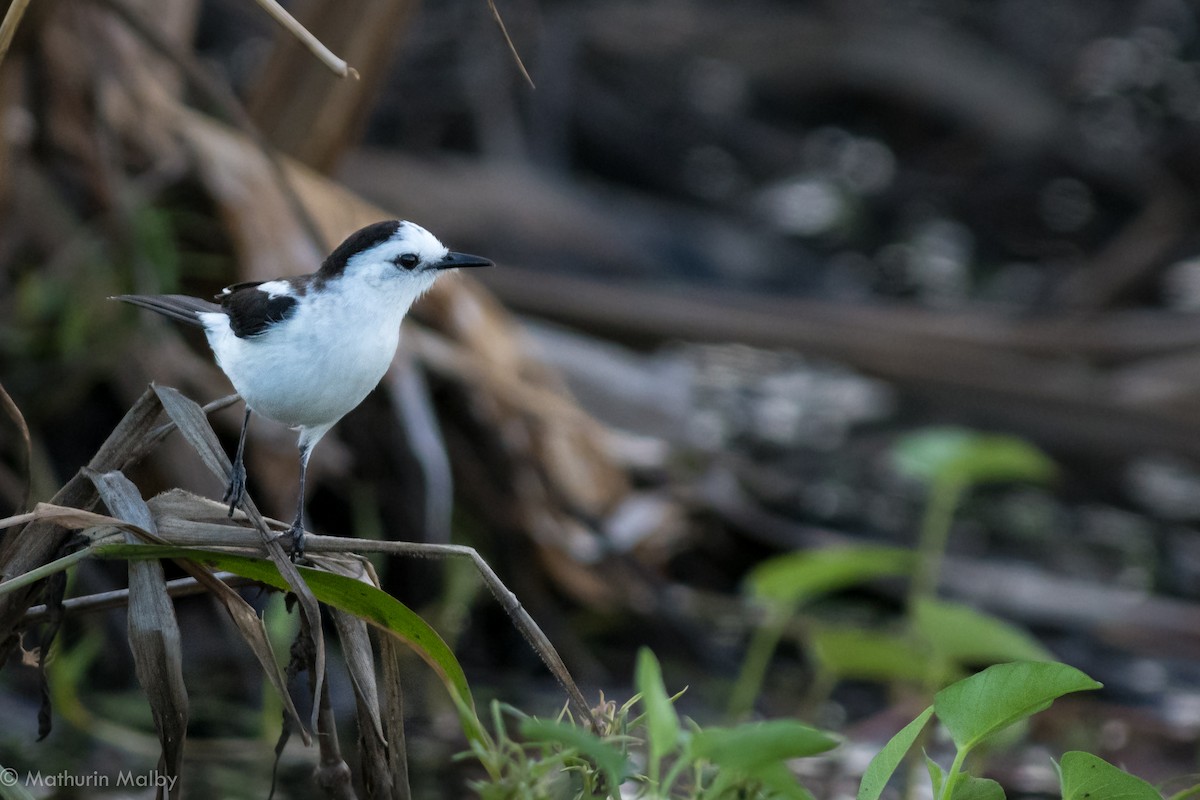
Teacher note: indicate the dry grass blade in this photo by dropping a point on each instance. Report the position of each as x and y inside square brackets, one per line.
[193, 424]
[153, 630]
[332, 774]
[511, 47]
[30, 548]
[18, 419]
[360, 662]
[521, 619]
[194, 427]
[64, 518]
[293, 26]
[393, 715]
[251, 627]
[67, 517]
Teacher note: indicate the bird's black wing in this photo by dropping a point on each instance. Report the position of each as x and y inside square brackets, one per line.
[252, 311]
[176, 306]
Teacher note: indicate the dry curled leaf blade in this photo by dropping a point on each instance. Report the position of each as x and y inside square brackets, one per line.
[174, 505]
[67, 517]
[360, 663]
[393, 715]
[154, 637]
[193, 424]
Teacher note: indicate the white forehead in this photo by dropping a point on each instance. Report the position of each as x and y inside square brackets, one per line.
[408, 238]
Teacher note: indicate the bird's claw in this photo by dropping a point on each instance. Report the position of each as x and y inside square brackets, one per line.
[236, 489]
[293, 539]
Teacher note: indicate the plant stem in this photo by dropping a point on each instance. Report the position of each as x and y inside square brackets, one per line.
[952, 775]
[44, 571]
[944, 497]
[762, 645]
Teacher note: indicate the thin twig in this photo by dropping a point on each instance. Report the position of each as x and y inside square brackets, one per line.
[521, 619]
[185, 533]
[8, 28]
[511, 47]
[117, 598]
[336, 65]
[10, 407]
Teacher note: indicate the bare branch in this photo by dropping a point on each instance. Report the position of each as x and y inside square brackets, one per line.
[293, 26]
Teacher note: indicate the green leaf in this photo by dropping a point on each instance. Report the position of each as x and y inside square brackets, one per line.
[869, 655]
[927, 453]
[966, 636]
[795, 578]
[966, 787]
[968, 458]
[776, 777]
[363, 600]
[976, 707]
[1087, 776]
[885, 762]
[662, 723]
[611, 761]
[1186, 794]
[757, 744]
[937, 775]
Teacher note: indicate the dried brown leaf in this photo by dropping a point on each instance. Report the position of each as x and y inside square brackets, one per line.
[360, 663]
[153, 630]
[393, 714]
[178, 517]
[193, 424]
[66, 517]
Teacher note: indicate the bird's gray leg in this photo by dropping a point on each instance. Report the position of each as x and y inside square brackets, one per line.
[237, 481]
[296, 532]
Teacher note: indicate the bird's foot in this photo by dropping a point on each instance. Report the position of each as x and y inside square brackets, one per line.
[293, 539]
[237, 488]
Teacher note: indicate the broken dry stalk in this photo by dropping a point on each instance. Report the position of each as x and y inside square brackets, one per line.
[293, 26]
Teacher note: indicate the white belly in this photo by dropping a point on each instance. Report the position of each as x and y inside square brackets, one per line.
[302, 373]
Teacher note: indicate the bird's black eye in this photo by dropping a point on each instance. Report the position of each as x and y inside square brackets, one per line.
[407, 261]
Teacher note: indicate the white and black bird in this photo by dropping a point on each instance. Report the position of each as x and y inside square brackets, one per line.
[306, 350]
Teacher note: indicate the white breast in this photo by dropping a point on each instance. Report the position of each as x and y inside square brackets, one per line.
[314, 367]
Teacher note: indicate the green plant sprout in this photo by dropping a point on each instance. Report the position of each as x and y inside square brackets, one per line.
[951, 461]
[656, 755]
[937, 639]
[651, 755]
[974, 709]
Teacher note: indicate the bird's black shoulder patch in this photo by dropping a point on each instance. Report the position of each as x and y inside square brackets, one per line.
[335, 264]
[252, 311]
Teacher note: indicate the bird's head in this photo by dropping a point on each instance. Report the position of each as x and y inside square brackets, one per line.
[396, 256]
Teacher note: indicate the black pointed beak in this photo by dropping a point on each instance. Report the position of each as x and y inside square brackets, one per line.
[460, 260]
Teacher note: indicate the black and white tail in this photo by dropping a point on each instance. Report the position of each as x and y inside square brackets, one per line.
[176, 306]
